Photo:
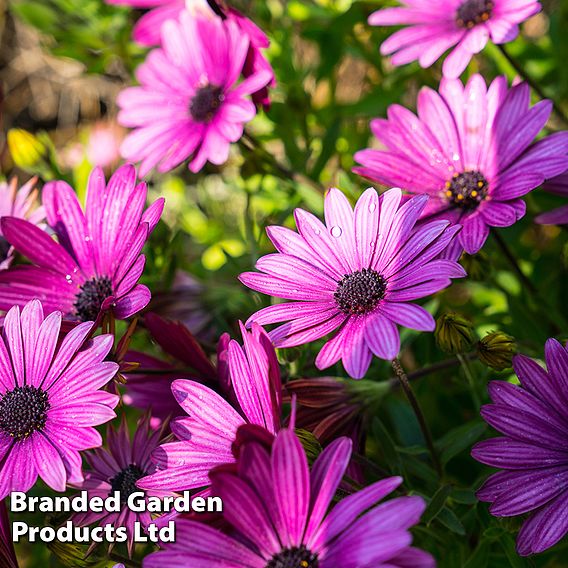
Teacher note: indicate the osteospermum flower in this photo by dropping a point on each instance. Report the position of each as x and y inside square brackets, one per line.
[533, 452]
[97, 261]
[356, 274]
[286, 522]
[559, 216]
[49, 398]
[434, 26]
[118, 468]
[189, 102]
[206, 435]
[147, 30]
[19, 203]
[471, 149]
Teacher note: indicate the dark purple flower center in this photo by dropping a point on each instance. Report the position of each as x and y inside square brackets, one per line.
[23, 411]
[4, 249]
[360, 291]
[467, 190]
[205, 103]
[473, 12]
[125, 481]
[92, 294]
[296, 557]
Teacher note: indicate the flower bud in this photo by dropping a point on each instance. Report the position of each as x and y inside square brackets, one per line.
[454, 333]
[26, 150]
[496, 350]
[310, 443]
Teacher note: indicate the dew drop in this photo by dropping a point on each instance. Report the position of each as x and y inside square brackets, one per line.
[336, 232]
[372, 207]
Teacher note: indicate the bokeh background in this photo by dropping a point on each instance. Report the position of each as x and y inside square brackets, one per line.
[62, 64]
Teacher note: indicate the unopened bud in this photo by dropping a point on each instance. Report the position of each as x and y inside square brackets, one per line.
[496, 350]
[454, 333]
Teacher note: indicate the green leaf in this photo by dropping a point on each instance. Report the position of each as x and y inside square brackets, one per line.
[459, 439]
[449, 519]
[436, 503]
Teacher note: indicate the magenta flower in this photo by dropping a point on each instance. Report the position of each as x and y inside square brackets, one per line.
[97, 262]
[206, 435]
[189, 102]
[355, 274]
[559, 216]
[118, 468]
[434, 26]
[533, 453]
[18, 203]
[147, 31]
[286, 522]
[49, 398]
[471, 149]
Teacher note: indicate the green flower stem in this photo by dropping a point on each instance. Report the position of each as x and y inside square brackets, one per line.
[405, 384]
[533, 84]
[440, 366]
[470, 379]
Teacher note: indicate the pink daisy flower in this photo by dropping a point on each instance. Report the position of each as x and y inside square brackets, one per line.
[434, 26]
[97, 261]
[559, 216]
[49, 398]
[282, 515]
[147, 30]
[206, 435]
[118, 468]
[471, 149]
[18, 203]
[356, 274]
[189, 102]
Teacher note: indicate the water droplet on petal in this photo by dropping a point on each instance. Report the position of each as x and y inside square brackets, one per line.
[336, 232]
[372, 207]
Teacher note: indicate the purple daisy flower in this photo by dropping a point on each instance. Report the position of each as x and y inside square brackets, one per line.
[434, 26]
[97, 262]
[118, 468]
[533, 453]
[19, 203]
[559, 216]
[205, 437]
[471, 149]
[189, 102]
[356, 274]
[49, 398]
[286, 521]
